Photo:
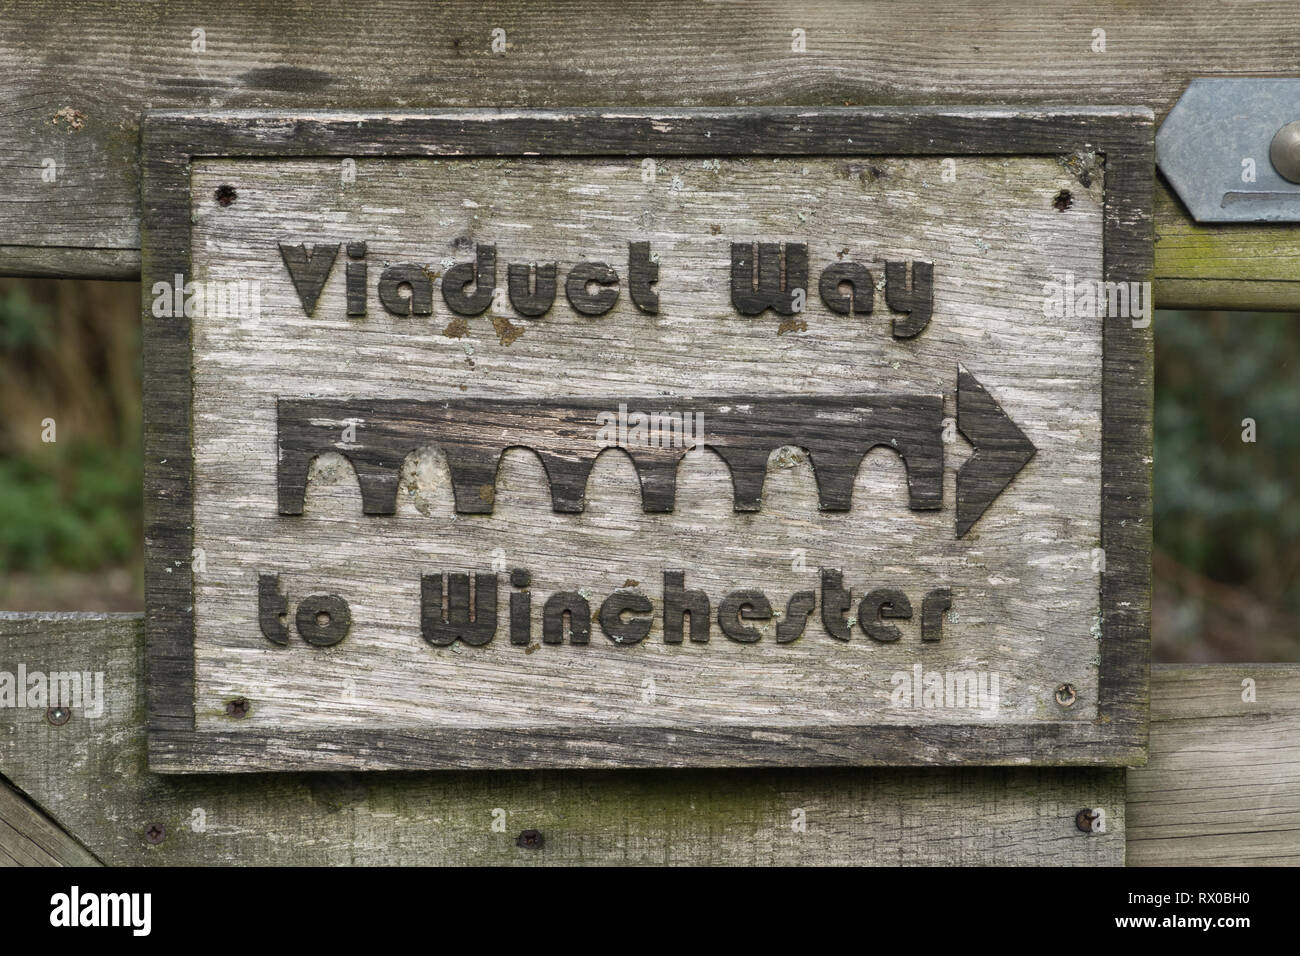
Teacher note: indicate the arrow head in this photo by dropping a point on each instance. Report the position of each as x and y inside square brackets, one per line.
[1001, 450]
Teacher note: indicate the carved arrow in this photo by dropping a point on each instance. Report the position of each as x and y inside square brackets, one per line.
[836, 432]
[1001, 450]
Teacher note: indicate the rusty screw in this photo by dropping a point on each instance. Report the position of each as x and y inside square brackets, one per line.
[237, 708]
[1066, 695]
[225, 194]
[58, 716]
[154, 834]
[530, 839]
[1085, 818]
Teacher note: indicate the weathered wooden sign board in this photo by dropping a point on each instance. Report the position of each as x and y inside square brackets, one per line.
[696, 438]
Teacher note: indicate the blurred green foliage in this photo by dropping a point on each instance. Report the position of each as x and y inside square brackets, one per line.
[1227, 510]
[72, 506]
[69, 351]
[24, 324]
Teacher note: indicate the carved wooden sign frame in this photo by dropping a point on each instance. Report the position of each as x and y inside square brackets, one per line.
[745, 429]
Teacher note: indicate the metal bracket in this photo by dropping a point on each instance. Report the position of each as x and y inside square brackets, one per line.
[1230, 148]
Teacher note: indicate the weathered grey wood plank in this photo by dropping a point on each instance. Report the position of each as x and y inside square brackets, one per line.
[91, 775]
[29, 838]
[1222, 786]
[76, 81]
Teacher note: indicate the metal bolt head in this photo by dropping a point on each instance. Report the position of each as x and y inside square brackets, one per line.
[1210, 140]
[154, 834]
[530, 839]
[1284, 152]
[1085, 819]
[58, 716]
[1066, 695]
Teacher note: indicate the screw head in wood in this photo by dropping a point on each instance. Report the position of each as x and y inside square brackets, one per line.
[1066, 695]
[237, 708]
[530, 839]
[1085, 819]
[154, 834]
[58, 716]
[1284, 152]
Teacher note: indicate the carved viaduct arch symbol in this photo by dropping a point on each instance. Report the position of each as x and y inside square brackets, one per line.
[835, 431]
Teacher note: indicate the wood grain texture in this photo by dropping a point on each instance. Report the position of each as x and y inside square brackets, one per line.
[1125, 138]
[1229, 267]
[29, 838]
[1025, 590]
[1222, 786]
[75, 84]
[91, 775]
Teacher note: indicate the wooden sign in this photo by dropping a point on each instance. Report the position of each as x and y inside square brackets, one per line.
[705, 438]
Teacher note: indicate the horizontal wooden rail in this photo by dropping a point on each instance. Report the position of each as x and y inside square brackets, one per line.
[75, 81]
[1222, 786]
